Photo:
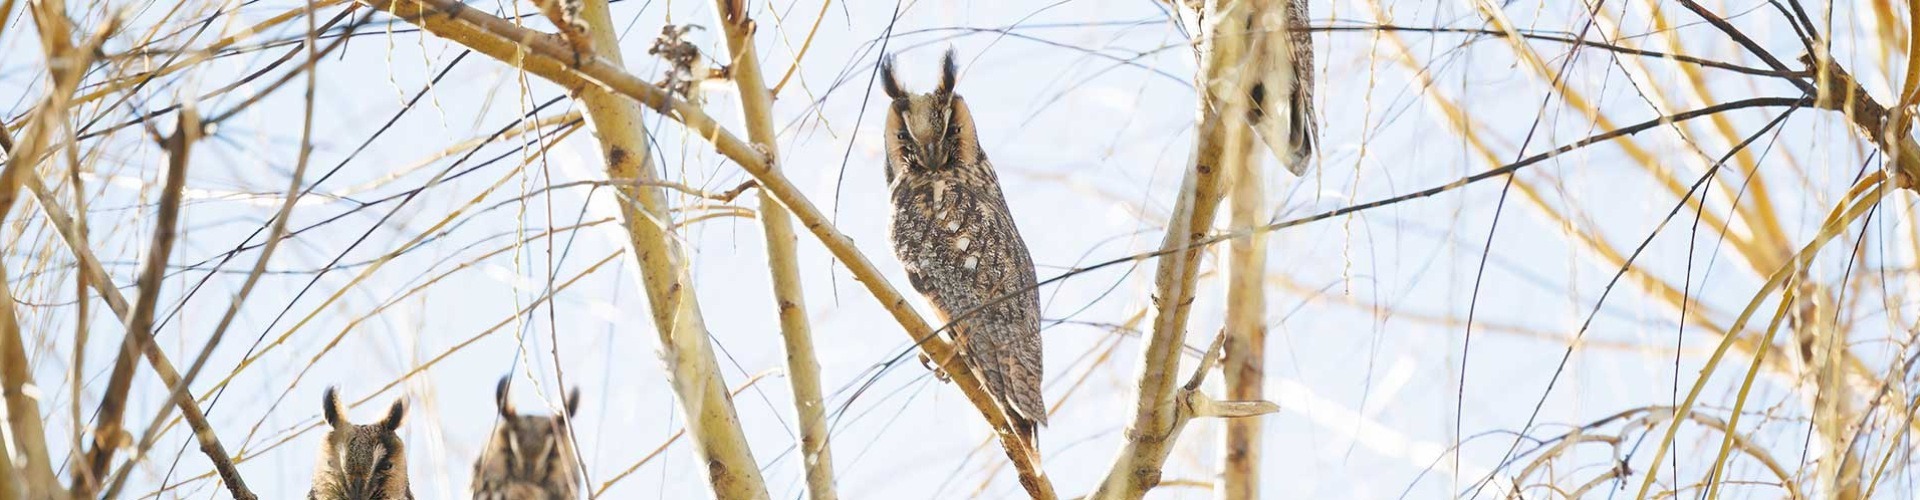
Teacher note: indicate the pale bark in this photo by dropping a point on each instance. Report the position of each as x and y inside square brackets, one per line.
[1243, 368]
[803, 369]
[685, 347]
[25, 435]
[1232, 37]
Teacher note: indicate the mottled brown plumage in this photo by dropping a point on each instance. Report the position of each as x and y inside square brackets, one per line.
[360, 462]
[530, 456]
[959, 244]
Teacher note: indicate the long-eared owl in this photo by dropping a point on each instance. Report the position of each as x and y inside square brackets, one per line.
[530, 457]
[952, 231]
[361, 461]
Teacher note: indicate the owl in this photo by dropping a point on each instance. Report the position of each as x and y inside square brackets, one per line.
[530, 457]
[960, 247]
[1293, 140]
[361, 462]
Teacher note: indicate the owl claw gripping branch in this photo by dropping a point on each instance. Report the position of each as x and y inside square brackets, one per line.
[952, 231]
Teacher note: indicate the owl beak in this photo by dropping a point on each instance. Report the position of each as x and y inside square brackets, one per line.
[936, 156]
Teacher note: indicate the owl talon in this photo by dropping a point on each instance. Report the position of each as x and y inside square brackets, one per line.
[937, 372]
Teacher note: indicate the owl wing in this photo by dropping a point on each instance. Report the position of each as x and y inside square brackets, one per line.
[963, 251]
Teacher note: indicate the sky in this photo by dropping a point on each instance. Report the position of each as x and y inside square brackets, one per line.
[1086, 110]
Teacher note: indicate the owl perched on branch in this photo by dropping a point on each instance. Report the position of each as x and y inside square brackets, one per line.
[953, 233]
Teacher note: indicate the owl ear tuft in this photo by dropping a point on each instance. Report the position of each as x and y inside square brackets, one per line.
[573, 402]
[500, 399]
[949, 71]
[396, 414]
[889, 82]
[330, 408]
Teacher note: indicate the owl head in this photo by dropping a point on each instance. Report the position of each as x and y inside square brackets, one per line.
[928, 132]
[361, 461]
[528, 449]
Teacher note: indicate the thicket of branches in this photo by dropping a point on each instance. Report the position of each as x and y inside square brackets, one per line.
[100, 403]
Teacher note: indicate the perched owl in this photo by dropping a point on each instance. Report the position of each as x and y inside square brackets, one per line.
[530, 457]
[1293, 140]
[361, 462]
[953, 233]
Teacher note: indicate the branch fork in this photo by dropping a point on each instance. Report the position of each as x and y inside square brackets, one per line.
[1195, 403]
[1838, 91]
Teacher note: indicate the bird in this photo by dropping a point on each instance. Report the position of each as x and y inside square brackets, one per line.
[1290, 56]
[953, 232]
[529, 457]
[360, 461]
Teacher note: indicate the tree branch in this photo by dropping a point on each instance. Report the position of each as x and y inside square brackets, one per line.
[803, 369]
[685, 346]
[1870, 119]
[1233, 56]
[139, 319]
[26, 436]
[1246, 331]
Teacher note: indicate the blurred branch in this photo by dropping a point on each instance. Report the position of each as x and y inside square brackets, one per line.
[1531, 35]
[181, 389]
[139, 319]
[1244, 370]
[801, 54]
[10, 488]
[547, 57]
[25, 436]
[1870, 119]
[65, 65]
[1232, 72]
[803, 370]
[1865, 195]
[204, 53]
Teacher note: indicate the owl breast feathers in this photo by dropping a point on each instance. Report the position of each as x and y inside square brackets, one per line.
[957, 240]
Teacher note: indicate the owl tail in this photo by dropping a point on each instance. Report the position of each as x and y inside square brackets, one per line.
[1028, 430]
[1027, 427]
[1019, 395]
[1284, 119]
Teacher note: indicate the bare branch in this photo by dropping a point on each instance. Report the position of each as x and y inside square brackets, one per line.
[685, 347]
[139, 319]
[1232, 75]
[803, 370]
[25, 436]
